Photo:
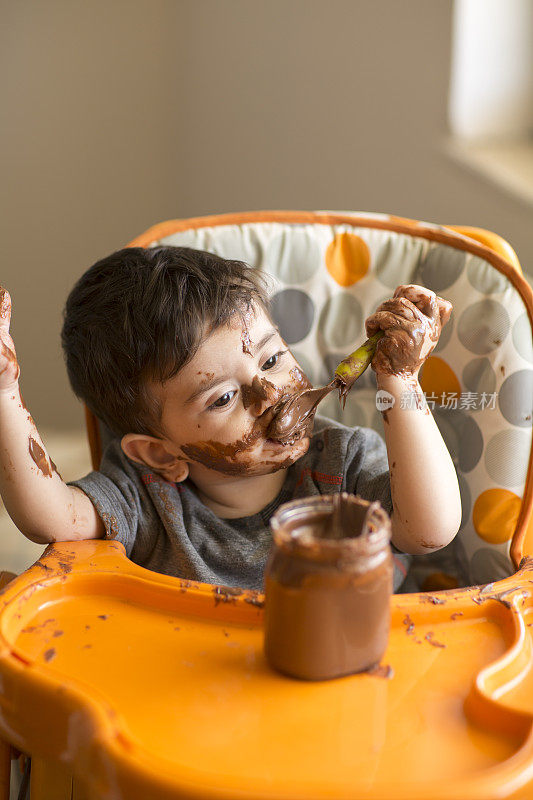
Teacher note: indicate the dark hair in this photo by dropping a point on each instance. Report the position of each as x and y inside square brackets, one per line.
[140, 315]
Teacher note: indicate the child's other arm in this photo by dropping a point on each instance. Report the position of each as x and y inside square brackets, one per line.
[43, 507]
[425, 493]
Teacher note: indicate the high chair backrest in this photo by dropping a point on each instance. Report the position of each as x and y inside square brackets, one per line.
[330, 271]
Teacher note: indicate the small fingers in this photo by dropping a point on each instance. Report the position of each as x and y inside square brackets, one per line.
[422, 298]
[433, 306]
[5, 309]
[8, 362]
[391, 352]
[413, 291]
[397, 312]
[445, 310]
[381, 321]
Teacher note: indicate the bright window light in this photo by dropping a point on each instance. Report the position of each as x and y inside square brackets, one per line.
[491, 88]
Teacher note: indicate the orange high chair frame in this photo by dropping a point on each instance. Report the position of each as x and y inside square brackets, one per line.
[122, 683]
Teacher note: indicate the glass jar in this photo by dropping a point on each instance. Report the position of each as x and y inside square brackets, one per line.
[328, 587]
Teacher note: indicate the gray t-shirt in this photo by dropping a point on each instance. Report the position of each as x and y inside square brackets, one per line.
[166, 528]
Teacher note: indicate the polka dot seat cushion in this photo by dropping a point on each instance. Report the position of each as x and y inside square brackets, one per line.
[330, 271]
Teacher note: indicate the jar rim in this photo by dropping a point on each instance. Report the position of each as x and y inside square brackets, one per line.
[284, 525]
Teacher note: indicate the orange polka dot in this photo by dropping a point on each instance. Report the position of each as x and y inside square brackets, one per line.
[437, 378]
[495, 514]
[347, 259]
[438, 581]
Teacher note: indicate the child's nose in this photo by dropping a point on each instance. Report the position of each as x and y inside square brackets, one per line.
[259, 395]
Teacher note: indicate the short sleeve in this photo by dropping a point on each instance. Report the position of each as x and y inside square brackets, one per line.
[115, 496]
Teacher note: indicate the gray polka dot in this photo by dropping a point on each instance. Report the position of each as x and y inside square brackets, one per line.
[397, 260]
[516, 398]
[340, 322]
[522, 338]
[353, 414]
[484, 277]
[466, 500]
[483, 326]
[305, 364]
[329, 365]
[462, 437]
[506, 458]
[478, 376]
[488, 564]
[331, 408]
[446, 334]
[440, 268]
[366, 381]
[293, 311]
[294, 255]
[331, 360]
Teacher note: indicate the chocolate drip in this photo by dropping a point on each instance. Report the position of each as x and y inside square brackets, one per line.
[40, 458]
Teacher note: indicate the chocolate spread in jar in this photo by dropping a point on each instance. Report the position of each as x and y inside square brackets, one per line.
[328, 583]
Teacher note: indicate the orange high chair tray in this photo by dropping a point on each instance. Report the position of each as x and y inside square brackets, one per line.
[146, 686]
[122, 683]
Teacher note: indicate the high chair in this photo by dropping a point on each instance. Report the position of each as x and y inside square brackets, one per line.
[123, 683]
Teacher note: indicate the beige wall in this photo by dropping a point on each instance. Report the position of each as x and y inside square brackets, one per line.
[117, 114]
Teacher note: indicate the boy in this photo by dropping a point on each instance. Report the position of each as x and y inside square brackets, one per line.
[175, 351]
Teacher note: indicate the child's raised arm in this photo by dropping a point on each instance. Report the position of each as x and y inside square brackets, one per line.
[43, 507]
[425, 493]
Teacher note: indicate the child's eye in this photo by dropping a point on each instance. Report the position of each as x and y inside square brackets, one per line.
[226, 398]
[273, 360]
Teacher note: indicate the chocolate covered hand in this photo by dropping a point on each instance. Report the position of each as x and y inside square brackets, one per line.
[411, 322]
[9, 368]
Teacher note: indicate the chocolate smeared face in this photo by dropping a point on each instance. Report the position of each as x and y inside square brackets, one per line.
[260, 389]
[294, 414]
[217, 411]
[235, 458]
[246, 341]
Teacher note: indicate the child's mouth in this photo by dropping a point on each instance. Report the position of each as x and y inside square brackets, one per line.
[287, 441]
[294, 415]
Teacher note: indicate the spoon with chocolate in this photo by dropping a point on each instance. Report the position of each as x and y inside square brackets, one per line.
[293, 415]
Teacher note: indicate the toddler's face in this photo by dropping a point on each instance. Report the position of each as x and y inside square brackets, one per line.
[217, 409]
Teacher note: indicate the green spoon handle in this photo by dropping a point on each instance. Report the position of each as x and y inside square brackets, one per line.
[353, 366]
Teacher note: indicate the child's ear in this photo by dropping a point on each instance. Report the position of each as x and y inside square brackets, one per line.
[154, 453]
